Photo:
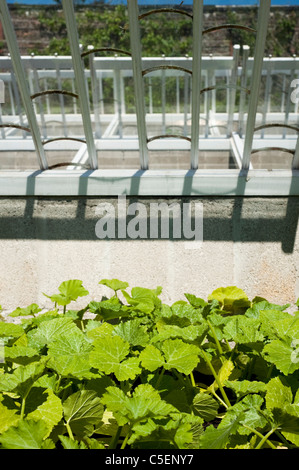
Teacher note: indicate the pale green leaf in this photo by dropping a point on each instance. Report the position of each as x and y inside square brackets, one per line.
[183, 309]
[20, 354]
[196, 302]
[278, 395]
[50, 330]
[179, 355]
[69, 291]
[108, 352]
[73, 344]
[110, 356]
[281, 353]
[8, 417]
[132, 332]
[242, 330]
[32, 309]
[144, 403]
[151, 358]
[10, 329]
[231, 298]
[69, 443]
[28, 434]
[114, 284]
[22, 378]
[105, 329]
[248, 411]
[218, 438]
[188, 333]
[50, 411]
[145, 300]
[188, 432]
[244, 387]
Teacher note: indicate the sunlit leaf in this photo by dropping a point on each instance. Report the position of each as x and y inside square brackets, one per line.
[28, 434]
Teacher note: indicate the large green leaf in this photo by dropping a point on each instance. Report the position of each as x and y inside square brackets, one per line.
[49, 411]
[232, 299]
[109, 309]
[248, 411]
[196, 302]
[132, 332]
[261, 306]
[278, 395]
[10, 329]
[188, 333]
[279, 399]
[244, 387]
[183, 309]
[205, 406]
[50, 330]
[28, 434]
[8, 417]
[279, 325]
[69, 355]
[82, 411]
[69, 291]
[145, 402]
[32, 309]
[242, 330]
[20, 354]
[218, 438]
[114, 284]
[177, 355]
[151, 358]
[145, 300]
[22, 378]
[110, 356]
[281, 353]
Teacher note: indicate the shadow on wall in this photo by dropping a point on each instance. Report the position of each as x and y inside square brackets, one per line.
[236, 219]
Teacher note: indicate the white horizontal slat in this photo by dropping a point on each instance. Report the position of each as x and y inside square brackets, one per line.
[174, 183]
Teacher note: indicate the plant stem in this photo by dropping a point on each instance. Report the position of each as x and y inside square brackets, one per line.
[58, 384]
[269, 373]
[218, 398]
[69, 431]
[114, 440]
[192, 379]
[215, 337]
[23, 407]
[216, 378]
[160, 377]
[125, 440]
[265, 438]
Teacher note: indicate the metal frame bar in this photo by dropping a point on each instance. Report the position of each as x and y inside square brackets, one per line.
[196, 79]
[70, 19]
[11, 38]
[138, 81]
[262, 29]
[153, 183]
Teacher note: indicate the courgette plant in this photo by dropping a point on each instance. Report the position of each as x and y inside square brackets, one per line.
[130, 371]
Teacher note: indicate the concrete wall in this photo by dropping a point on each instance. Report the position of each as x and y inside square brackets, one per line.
[252, 243]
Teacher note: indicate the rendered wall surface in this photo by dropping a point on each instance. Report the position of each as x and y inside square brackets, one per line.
[252, 243]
